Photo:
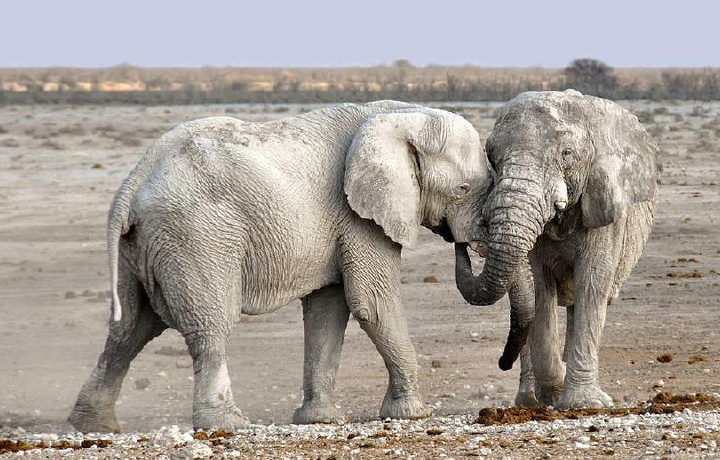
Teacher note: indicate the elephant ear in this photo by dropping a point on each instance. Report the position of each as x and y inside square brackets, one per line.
[383, 170]
[625, 168]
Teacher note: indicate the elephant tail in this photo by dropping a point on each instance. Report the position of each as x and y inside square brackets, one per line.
[121, 219]
[118, 225]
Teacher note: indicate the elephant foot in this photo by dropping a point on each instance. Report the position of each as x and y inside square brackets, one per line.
[87, 419]
[405, 407]
[526, 399]
[548, 395]
[227, 418]
[312, 412]
[584, 396]
[525, 396]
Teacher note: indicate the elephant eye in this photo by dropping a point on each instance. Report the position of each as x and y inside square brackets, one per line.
[463, 188]
[567, 152]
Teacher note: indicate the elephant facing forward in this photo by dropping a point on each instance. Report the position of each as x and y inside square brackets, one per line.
[571, 210]
[222, 217]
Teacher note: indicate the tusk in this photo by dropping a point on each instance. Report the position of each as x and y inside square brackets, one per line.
[479, 248]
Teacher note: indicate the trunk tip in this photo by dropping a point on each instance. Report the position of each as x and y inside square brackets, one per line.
[506, 362]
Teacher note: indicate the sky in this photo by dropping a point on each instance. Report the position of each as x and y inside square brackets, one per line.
[317, 33]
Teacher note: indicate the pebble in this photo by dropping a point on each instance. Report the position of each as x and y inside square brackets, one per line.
[645, 429]
[197, 450]
[170, 437]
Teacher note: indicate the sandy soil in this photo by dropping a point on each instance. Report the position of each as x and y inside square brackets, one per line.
[59, 167]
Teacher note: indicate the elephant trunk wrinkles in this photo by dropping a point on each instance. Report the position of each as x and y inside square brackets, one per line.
[515, 222]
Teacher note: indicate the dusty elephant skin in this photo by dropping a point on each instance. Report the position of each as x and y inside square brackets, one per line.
[572, 205]
[223, 217]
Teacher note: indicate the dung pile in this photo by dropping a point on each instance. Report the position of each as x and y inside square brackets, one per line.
[662, 403]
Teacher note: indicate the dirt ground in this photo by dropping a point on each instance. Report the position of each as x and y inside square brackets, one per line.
[60, 165]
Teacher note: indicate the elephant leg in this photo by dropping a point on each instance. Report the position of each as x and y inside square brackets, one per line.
[371, 271]
[548, 368]
[95, 406]
[389, 333]
[213, 403]
[569, 330]
[203, 306]
[325, 316]
[526, 392]
[593, 282]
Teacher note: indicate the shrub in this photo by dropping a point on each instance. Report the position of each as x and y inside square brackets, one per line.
[591, 76]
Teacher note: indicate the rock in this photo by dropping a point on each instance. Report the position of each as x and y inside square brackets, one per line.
[47, 438]
[195, 450]
[142, 383]
[436, 364]
[485, 390]
[171, 437]
[431, 279]
[70, 295]
[666, 358]
[698, 359]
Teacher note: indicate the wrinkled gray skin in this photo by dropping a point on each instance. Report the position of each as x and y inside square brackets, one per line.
[223, 217]
[573, 205]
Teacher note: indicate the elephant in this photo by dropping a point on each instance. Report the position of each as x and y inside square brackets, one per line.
[570, 211]
[222, 217]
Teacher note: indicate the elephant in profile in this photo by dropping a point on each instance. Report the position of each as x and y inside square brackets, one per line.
[222, 217]
[567, 219]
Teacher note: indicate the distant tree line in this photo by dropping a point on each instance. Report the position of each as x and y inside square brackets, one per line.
[127, 84]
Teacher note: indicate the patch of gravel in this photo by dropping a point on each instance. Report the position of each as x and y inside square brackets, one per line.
[686, 433]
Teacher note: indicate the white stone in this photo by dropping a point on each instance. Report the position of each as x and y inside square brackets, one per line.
[197, 450]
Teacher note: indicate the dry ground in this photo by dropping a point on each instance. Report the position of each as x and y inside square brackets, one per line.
[59, 167]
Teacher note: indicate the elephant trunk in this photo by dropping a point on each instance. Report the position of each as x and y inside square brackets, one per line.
[515, 222]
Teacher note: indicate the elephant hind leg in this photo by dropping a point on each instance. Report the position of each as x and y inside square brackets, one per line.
[203, 309]
[325, 316]
[95, 406]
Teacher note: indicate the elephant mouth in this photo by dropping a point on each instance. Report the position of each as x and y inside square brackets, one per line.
[443, 229]
[479, 247]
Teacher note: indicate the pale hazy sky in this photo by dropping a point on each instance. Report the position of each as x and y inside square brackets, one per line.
[99, 33]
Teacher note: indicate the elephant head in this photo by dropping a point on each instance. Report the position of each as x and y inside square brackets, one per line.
[563, 161]
[418, 166]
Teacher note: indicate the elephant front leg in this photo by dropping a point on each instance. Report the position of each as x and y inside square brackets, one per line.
[325, 316]
[547, 364]
[526, 391]
[569, 330]
[388, 331]
[592, 284]
[371, 272]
